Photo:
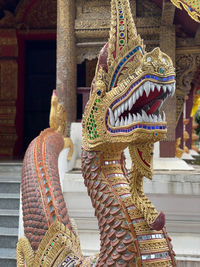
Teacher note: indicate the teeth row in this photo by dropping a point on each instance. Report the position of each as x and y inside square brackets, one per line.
[147, 87]
[135, 118]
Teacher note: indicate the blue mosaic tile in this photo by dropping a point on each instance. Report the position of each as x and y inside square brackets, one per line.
[140, 50]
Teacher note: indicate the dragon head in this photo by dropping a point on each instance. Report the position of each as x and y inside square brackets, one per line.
[128, 90]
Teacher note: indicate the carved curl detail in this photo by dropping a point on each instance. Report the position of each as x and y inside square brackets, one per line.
[186, 66]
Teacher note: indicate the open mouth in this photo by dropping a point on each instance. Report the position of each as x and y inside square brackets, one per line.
[142, 105]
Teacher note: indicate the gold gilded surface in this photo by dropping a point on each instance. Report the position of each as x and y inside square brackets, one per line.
[57, 243]
[179, 152]
[142, 166]
[58, 121]
[191, 6]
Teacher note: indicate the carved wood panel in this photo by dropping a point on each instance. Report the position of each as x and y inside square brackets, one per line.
[187, 65]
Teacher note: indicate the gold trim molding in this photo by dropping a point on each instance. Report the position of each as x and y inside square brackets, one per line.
[191, 6]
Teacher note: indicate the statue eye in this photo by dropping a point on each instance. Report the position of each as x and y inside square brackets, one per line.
[98, 92]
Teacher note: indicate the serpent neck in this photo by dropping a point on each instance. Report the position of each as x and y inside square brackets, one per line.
[106, 181]
[125, 236]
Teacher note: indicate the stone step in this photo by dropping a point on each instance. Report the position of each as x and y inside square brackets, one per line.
[9, 201]
[8, 237]
[7, 257]
[9, 185]
[10, 167]
[9, 218]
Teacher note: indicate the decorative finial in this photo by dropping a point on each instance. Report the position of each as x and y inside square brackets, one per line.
[123, 37]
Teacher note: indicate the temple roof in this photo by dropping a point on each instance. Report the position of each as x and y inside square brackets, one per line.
[184, 23]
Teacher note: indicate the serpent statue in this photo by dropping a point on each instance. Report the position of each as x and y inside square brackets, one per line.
[127, 92]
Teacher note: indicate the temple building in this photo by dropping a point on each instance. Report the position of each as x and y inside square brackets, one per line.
[29, 30]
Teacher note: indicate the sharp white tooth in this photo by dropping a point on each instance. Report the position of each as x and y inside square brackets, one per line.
[155, 119]
[161, 104]
[152, 86]
[112, 119]
[122, 122]
[130, 103]
[159, 118]
[122, 107]
[158, 87]
[144, 116]
[164, 117]
[126, 121]
[119, 111]
[164, 88]
[126, 105]
[134, 117]
[139, 117]
[147, 88]
[117, 123]
[173, 89]
[115, 114]
[133, 98]
[150, 118]
[130, 120]
[169, 87]
[141, 90]
[137, 94]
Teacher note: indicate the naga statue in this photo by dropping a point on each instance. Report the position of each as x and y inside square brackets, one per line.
[127, 92]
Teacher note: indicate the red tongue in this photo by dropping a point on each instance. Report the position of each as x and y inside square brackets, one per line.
[154, 107]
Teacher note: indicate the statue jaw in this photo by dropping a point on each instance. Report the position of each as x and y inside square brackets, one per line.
[142, 166]
[126, 116]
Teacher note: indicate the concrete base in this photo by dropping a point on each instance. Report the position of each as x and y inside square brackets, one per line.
[170, 164]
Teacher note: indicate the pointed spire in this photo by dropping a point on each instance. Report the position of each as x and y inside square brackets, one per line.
[123, 28]
[124, 42]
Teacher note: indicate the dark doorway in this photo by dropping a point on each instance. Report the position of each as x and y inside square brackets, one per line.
[81, 82]
[40, 80]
